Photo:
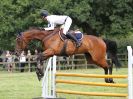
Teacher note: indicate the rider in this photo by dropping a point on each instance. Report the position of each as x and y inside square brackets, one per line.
[54, 20]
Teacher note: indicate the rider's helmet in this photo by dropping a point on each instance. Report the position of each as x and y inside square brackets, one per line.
[44, 13]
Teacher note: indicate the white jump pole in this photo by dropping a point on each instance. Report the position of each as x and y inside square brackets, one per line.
[130, 71]
[48, 81]
[54, 76]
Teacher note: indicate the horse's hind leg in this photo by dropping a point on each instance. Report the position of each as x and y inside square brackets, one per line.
[110, 72]
[107, 69]
[110, 63]
[89, 58]
[102, 63]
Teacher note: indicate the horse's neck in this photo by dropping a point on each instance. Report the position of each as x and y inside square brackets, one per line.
[34, 35]
[51, 34]
[40, 34]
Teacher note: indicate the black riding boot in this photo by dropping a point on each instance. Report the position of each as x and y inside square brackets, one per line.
[69, 35]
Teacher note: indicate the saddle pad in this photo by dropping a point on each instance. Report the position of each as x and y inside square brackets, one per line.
[79, 36]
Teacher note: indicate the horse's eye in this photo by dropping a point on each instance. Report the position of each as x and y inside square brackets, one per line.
[17, 38]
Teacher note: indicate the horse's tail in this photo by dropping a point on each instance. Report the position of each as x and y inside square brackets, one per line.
[112, 52]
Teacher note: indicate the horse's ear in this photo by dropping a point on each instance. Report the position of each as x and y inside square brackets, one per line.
[19, 34]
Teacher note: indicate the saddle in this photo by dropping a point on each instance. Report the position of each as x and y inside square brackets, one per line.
[63, 37]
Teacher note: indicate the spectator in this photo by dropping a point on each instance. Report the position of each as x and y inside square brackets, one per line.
[35, 54]
[9, 59]
[22, 60]
[29, 57]
[29, 53]
[35, 57]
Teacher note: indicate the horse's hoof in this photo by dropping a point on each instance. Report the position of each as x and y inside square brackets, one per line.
[107, 81]
[39, 78]
[38, 75]
[111, 81]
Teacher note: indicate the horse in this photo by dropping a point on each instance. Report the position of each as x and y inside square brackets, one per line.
[93, 47]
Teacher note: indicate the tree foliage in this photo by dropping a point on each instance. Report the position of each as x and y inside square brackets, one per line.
[108, 18]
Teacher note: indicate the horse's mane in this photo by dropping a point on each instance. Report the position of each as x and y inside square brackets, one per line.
[30, 29]
[40, 29]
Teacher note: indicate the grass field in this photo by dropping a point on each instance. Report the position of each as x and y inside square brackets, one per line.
[27, 86]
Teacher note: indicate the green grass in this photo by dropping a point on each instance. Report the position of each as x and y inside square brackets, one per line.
[19, 86]
[27, 86]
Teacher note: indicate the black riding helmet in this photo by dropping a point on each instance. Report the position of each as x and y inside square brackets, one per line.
[44, 13]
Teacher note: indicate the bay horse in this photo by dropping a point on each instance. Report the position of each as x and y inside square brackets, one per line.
[93, 47]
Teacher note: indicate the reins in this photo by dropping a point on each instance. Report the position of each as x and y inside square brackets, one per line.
[49, 36]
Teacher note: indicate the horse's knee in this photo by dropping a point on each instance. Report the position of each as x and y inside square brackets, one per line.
[48, 52]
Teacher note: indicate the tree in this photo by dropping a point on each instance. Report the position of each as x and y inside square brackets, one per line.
[102, 16]
[107, 18]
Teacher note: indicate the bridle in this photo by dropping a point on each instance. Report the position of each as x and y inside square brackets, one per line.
[21, 39]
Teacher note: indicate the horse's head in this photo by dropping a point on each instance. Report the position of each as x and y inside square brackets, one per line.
[21, 44]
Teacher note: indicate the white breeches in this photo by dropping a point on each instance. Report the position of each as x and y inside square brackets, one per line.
[67, 25]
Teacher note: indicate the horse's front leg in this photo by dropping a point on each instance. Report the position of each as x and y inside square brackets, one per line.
[40, 59]
[48, 53]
